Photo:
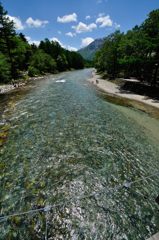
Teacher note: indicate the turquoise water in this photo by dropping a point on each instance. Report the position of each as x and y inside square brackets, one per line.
[67, 146]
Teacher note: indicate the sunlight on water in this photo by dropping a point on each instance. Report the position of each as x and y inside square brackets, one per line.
[61, 81]
[64, 143]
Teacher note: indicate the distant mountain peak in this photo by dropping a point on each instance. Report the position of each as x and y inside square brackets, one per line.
[89, 51]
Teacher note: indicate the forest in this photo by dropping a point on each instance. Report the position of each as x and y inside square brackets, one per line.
[19, 59]
[132, 54]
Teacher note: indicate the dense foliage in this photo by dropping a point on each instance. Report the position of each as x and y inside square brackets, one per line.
[134, 54]
[18, 57]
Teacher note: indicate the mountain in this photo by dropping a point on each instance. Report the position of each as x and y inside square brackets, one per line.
[88, 52]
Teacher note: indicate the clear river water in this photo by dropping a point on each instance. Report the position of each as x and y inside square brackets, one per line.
[66, 147]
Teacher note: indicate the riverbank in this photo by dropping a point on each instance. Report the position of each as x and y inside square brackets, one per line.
[5, 88]
[113, 93]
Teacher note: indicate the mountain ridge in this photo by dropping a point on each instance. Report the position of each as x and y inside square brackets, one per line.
[89, 51]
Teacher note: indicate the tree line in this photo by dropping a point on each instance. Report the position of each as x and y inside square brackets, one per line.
[132, 54]
[19, 59]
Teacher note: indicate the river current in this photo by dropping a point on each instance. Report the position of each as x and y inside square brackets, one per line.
[69, 148]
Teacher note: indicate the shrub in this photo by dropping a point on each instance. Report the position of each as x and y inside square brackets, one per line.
[32, 71]
[5, 70]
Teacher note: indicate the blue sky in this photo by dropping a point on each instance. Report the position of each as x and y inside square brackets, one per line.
[75, 23]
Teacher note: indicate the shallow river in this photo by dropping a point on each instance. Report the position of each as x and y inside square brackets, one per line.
[68, 148]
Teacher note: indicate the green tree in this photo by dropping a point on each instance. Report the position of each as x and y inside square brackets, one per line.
[151, 28]
[107, 59]
[135, 53]
[7, 34]
[43, 62]
[5, 71]
[77, 61]
[52, 48]
[65, 59]
[134, 50]
[18, 55]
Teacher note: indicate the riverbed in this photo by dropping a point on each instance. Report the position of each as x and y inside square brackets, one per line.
[67, 147]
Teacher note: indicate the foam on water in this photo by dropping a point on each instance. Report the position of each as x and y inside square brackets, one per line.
[61, 81]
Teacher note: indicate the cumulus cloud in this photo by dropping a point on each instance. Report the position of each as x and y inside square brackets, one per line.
[70, 48]
[36, 42]
[30, 41]
[70, 34]
[86, 41]
[67, 18]
[30, 22]
[87, 17]
[54, 39]
[104, 21]
[17, 22]
[37, 23]
[82, 27]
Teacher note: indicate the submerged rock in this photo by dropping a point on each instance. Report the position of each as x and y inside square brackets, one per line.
[4, 133]
[157, 199]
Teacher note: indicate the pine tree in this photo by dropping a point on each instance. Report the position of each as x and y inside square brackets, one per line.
[7, 33]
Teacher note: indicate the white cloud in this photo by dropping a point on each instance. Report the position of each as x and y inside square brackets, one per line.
[82, 27]
[17, 22]
[54, 39]
[67, 18]
[117, 26]
[36, 42]
[70, 48]
[30, 41]
[104, 21]
[70, 34]
[36, 23]
[101, 14]
[87, 17]
[30, 22]
[86, 41]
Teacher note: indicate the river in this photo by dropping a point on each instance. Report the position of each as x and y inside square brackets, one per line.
[68, 148]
